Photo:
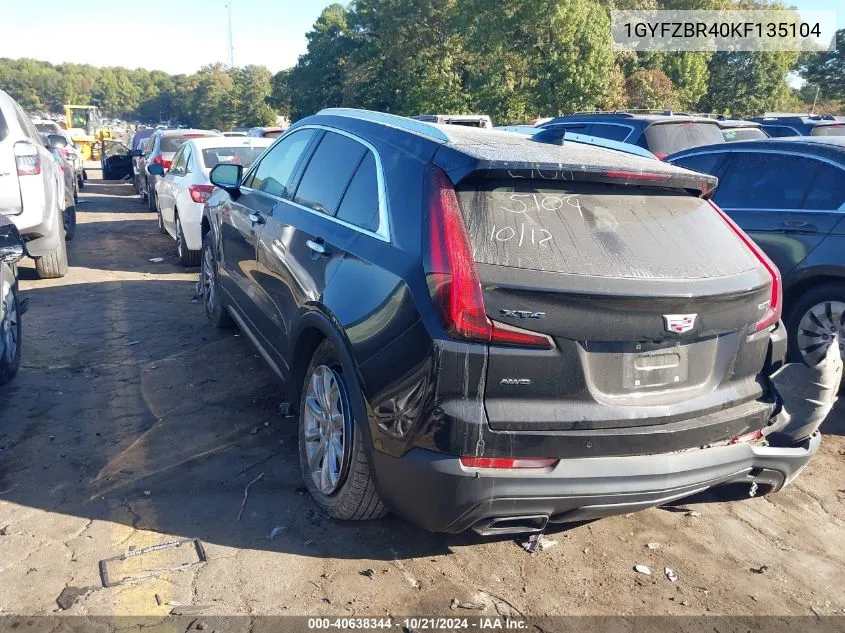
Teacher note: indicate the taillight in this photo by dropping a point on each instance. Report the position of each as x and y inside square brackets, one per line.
[27, 159]
[453, 277]
[158, 160]
[748, 437]
[661, 155]
[775, 307]
[200, 193]
[507, 462]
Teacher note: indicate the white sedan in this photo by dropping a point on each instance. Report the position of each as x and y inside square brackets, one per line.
[184, 188]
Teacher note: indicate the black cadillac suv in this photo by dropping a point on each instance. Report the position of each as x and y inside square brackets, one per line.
[490, 330]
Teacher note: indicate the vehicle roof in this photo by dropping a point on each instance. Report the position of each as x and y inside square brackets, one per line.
[804, 120]
[265, 128]
[650, 117]
[574, 137]
[827, 146]
[208, 142]
[185, 131]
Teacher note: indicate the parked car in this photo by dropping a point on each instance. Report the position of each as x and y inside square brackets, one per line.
[31, 189]
[137, 163]
[115, 160]
[182, 191]
[469, 120]
[12, 250]
[162, 148]
[661, 133]
[69, 151]
[71, 191]
[740, 130]
[412, 285]
[788, 194]
[265, 132]
[561, 133]
[795, 125]
[140, 134]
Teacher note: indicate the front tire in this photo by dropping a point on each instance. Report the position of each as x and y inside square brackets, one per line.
[814, 319]
[187, 257]
[332, 456]
[10, 333]
[210, 284]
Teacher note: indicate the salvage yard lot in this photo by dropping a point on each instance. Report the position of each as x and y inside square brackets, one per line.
[133, 422]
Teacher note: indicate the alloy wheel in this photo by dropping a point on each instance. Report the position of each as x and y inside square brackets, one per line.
[9, 326]
[209, 280]
[326, 429]
[818, 328]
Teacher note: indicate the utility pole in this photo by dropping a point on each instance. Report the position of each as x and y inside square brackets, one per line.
[813, 111]
[231, 43]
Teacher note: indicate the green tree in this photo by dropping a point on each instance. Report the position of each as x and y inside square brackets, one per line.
[252, 91]
[280, 96]
[651, 89]
[826, 71]
[212, 104]
[747, 84]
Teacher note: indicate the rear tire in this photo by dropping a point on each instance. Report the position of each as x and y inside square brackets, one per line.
[69, 220]
[813, 320]
[151, 199]
[10, 333]
[342, 485]
[210, 284]
[53, 265]
[187, 257]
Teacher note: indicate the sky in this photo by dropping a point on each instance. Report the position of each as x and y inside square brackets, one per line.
[179, 36]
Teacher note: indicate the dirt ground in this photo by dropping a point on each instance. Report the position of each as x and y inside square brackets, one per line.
[133, 422]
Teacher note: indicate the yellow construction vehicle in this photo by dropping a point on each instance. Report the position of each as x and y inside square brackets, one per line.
[84, 124]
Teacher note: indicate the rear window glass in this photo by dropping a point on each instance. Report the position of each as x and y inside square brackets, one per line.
[744, 134]
[828, 130]
[668, 138]
[273, 133]
[173, 143]
[48, 128]
[237, 155]
[599, 230]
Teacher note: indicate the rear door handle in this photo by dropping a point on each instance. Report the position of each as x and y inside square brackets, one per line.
[317, 246]
[256, 218]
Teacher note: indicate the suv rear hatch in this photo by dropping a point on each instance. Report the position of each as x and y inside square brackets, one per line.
[619, 303]
[667, 137]
[10, 193]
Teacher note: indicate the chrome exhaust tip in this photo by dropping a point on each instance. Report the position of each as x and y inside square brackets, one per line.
[524, 524]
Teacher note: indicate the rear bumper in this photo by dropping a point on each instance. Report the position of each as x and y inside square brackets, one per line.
[436, 492]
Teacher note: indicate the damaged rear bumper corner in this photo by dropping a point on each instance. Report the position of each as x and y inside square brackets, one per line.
[436, 492]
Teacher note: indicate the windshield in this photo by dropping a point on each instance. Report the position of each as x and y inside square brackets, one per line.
[48, 128]
[237, 155]
[744, 134]
[828, 130]
[668, 138]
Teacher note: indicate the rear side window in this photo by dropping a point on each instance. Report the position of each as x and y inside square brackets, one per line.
[765, 181]
[828, 130]
[274, 172]
[360, 202]
[329, 173]
[667, 138]
[610, 131]
[708, 163]
[599, 230]
[744, 134]
[827, 191]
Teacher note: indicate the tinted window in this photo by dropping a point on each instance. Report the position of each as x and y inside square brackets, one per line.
[667, 138]
[706, 163]
[780, 130]
[744, 134]
[113, 148]
[360, 202]
[828, 130]
[329, 172]
[274, 172]
[765, 181]
[827, 192]
[599, 230]
[612, 132]
[177, 167]
[172, 143]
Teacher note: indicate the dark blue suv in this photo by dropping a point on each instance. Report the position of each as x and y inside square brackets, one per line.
[789, 195]
[490, 330]
[794, 125]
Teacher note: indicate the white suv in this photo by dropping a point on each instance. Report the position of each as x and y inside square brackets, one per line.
[32, 190]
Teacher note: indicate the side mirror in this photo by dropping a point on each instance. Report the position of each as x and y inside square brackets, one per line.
[12, 247]
[136, 152]
[155, 169]
[55, 141]
[227, 176]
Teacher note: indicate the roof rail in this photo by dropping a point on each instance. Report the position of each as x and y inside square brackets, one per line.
[393, 120]
[630, 111]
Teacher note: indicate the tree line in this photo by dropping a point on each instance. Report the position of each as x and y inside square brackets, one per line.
[510, 59]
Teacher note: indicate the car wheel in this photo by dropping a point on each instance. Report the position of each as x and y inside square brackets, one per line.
[187, 257]
[815, 319]
[80, 181]
[53, 265]
[69, 221]
[210, 286]
[332, 456]
[10, 333]
[151, 199]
